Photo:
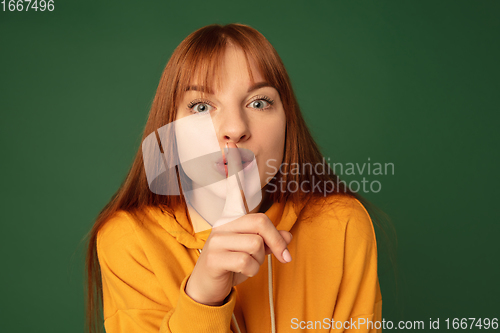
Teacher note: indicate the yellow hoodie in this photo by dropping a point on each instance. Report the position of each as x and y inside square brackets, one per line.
[331, 284]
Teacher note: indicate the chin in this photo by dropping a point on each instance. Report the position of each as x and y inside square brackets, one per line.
[217, 191]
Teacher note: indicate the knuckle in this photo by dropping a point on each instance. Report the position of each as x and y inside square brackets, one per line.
[256, 243]
[261, 219]
[215, 231]
[278, 242]
[244, 261]
[253, 271]
[217, 240]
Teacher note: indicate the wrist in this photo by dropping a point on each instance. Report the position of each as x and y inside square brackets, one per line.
[201, 300]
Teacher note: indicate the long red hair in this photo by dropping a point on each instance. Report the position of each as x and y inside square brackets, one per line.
[199, 55]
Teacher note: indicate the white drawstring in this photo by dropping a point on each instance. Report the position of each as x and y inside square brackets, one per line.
[270, 284]
[234, 317]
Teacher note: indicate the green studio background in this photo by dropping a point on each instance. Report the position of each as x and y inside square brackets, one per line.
[413, 83]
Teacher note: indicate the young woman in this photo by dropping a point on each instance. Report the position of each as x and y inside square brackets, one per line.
[212, 258]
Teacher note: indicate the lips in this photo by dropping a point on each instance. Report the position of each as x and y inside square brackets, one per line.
[246, 158]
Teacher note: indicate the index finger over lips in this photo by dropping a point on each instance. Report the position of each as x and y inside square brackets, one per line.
[234, 206]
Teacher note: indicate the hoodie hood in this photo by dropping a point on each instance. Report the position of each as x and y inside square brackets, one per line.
[282, 214]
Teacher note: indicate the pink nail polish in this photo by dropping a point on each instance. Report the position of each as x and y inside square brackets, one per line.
[286, 255]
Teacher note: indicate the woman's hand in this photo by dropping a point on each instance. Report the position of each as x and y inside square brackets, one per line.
[234, 250]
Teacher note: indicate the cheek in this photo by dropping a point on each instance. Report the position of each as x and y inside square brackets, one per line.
[275, 148]
[274, 136]
[272, 139]
[195, 136]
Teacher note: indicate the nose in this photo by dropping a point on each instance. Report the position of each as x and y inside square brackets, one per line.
[233, 126]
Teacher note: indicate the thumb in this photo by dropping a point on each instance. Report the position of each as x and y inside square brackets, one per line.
[287, 236]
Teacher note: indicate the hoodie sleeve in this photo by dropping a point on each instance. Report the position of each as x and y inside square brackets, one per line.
[133, 300]
[359, 301]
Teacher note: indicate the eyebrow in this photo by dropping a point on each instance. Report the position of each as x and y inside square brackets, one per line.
[199, 88]
[259, 85]
[256, 86]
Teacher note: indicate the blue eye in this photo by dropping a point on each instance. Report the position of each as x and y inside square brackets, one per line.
[200, 106]
[259, 104]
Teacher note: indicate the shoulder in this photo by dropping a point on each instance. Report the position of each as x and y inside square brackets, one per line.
[339, 206]
[342, 211]
[117, 238]
[116, 228]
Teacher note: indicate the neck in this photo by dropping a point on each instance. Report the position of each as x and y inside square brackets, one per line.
[208, 206]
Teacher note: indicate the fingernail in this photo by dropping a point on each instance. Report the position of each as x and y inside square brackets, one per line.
[226, 150]
[286, 256]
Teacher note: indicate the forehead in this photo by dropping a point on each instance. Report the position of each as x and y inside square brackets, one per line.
[235, 61]
[233, 68]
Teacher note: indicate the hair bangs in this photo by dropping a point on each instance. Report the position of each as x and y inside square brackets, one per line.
[202, 62]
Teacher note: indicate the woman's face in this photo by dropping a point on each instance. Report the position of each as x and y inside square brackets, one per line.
[250, 114]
